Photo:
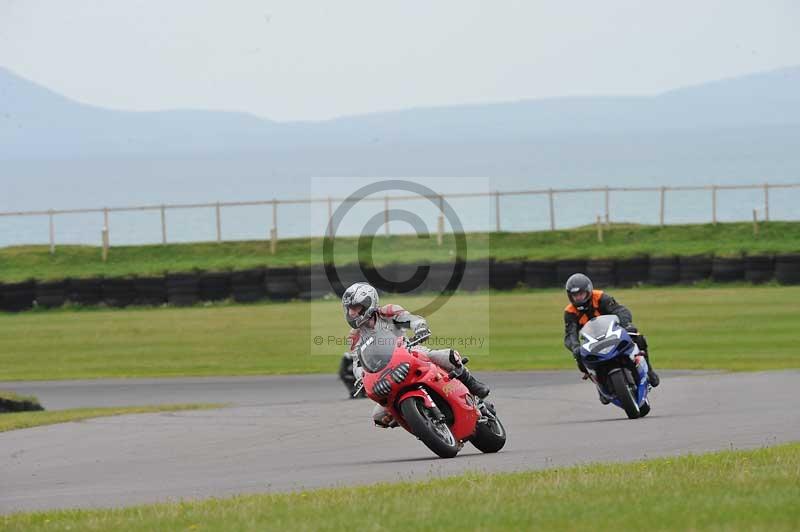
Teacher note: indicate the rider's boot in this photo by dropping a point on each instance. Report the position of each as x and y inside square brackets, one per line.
[475, 387]
[346, 374]
[652, 376]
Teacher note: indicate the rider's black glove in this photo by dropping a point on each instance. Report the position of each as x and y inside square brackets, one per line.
[576, 353]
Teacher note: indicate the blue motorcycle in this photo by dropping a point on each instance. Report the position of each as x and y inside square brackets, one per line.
[615, 365]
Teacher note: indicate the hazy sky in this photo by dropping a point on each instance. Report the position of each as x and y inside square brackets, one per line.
[290, 60]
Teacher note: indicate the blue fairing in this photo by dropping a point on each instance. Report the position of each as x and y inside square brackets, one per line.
[643, 383]
[605, 334]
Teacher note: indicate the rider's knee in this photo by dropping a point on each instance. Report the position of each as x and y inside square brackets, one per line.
[442, 358]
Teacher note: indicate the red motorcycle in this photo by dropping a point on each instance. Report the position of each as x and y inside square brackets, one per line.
[427, 401]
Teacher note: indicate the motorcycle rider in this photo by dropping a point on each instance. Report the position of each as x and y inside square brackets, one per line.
[586, 303]
[362, 313]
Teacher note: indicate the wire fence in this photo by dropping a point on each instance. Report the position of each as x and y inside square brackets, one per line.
[499, 202]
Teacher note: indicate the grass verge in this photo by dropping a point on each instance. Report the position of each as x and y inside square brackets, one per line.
[729, 239]
[731, 490]
[24, 420]
[730, 327]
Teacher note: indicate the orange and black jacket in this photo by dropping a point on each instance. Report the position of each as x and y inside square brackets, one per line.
[600, 305]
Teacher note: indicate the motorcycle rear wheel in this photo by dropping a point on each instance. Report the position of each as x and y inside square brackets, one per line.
[436, 435]
[623, 392]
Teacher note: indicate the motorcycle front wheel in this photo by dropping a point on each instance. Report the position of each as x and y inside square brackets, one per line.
[435, 434]
[490, 436]
[623, 392]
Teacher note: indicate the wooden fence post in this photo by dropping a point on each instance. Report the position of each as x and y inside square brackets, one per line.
[608, 215]
[386, 214]
[273, 246]
[219, 223]
[329, 229]
[497, 211]
[163, 225]
[104, 236]
[661, 209]
[714, 204]
[599, 229]
[552, 210]
[52, 233]
[440, 222]
[766, 202]
[105, 222]
[755, 222]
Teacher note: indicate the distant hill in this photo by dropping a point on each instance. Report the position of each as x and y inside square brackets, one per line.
[36, 123]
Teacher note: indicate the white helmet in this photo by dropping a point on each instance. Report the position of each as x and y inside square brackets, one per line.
[360, 294]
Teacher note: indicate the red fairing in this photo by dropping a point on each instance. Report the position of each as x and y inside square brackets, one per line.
[427, 381]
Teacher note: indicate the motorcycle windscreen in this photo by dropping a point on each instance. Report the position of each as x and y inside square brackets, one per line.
[376, 351]
[599, 335]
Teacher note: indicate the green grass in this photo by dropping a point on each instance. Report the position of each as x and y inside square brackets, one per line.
[24, 420]
[23, 262]
[742, 490]
[729, 327]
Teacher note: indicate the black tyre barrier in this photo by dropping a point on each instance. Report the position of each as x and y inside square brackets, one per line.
[85, 291]
[663, 271]
[18, 296]
[727, 269]
[440, 275]
[118, 292]
[214, 286]
[282, 283]
[694, 268]
[247, 286]
[633, 271]
[182, 288]
[476, 275]
[539, 273]
[12, 405]
[759, 269]
[405, 279]
[787, 269]
[602, 272]
[51, 294]
[150, 290]
[349, 274]
[313, 282]
[505, 275]
[566, 267]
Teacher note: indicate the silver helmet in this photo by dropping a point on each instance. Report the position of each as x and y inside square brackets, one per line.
[359, 294]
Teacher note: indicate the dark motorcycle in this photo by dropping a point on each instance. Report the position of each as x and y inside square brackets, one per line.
[615, 365]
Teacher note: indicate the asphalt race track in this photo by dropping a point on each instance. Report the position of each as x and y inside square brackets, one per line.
[285, 433]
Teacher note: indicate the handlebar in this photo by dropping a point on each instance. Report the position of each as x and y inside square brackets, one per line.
[412, 343]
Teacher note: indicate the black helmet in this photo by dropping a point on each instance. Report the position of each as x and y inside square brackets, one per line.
[579, 291]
